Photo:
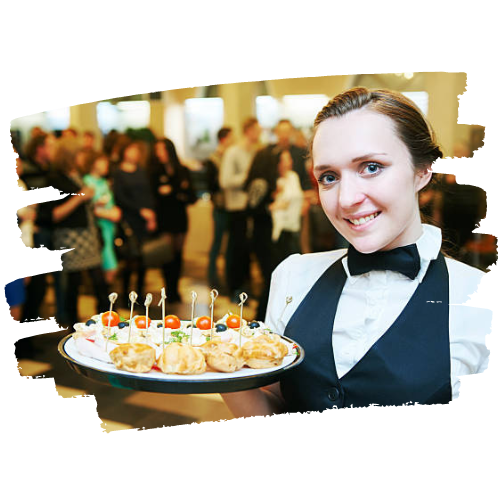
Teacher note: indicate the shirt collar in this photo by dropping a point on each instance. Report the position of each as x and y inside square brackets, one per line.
[428, 246]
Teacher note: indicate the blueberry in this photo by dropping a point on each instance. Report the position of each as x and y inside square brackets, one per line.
[188, 326]
[159, 325]
[122, 324]
[253, 324]
[90, 322]
[220, 328]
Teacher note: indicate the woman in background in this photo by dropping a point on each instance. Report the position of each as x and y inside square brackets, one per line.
[105, 210]
[173, 192]
[74, 227]
[133, 196]
[15, 292]
[286, 209]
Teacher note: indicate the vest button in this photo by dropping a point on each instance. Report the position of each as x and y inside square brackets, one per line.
[333, 394]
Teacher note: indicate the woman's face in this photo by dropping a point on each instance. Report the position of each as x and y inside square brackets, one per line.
[132, 154]
[161, 151]
[368, 186]
[285, 163]
[101, 167]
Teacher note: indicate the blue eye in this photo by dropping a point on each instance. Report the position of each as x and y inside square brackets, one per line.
[371, 169]
[327, 179]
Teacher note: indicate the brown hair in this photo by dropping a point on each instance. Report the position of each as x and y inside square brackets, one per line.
[249, 123]
[65, 155]
[410, 124]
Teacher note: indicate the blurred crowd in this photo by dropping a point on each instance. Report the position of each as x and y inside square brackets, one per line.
[127, 211]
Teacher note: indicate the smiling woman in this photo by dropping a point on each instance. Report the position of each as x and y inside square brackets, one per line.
[381, 323]
[368, 185]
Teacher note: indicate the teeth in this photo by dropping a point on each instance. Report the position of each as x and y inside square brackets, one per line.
[362, 220]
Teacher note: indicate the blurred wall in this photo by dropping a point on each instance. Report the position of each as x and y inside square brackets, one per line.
[167, 116]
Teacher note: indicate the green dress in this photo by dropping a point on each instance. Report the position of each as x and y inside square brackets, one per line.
[107, 227]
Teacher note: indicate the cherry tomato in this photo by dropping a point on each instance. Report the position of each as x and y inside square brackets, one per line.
[172, 321]
[140, 322]
[115, 318]
[203, 323]
[233, 321]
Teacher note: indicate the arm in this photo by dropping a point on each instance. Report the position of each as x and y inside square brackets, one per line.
[264, 401]
[64, 210]
[113, 214]
[230, 175]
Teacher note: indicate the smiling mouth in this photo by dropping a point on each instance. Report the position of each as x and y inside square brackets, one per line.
[363, 220]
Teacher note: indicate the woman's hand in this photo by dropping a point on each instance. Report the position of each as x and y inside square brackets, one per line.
[86, 192]
[165, 189]
[150, 217]
[62, 211]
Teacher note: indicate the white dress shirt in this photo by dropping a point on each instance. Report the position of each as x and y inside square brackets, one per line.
[289, 199]
[233, 173]
[371, 302]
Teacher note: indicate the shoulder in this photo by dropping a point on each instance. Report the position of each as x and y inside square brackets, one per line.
[464, 280]
[232, 150]
[309, 266]
[299, 272]
[293, 279]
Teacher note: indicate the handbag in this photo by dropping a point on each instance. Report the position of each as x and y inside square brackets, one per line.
[126, 242]
[155, 251]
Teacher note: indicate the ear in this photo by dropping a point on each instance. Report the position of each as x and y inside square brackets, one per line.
[422, 177]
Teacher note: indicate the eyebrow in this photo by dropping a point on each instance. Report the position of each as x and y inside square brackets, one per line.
[321, 168]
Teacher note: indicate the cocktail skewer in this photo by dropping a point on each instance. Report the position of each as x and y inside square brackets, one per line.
[112, 299]
[147, 303]
[133, 297]
[213, 295]
[162, 303]
[243, 297]
[194, 296]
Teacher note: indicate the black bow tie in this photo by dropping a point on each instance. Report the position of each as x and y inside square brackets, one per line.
[404, 260]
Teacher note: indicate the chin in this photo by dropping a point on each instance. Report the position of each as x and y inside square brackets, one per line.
[367, 244]
[365, 247]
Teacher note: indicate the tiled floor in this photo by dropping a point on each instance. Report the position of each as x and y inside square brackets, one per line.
[125, 409]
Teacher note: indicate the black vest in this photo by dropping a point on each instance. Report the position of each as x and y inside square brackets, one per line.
[410, 363]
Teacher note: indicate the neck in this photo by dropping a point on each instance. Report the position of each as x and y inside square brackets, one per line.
[128, 167]
[410, 235]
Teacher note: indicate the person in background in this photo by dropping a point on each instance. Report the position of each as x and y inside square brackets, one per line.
[461, 207]
[88, 141]
[225, 138]
[39, 153]
[26, 215]
[285, 132]
[105, 210]
[15, 291]
[286, 210]
[37, 160]
[133, 195]
[74, 227]
[233, 174]
[173, 192]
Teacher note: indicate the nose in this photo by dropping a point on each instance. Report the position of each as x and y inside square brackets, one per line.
[350, 192]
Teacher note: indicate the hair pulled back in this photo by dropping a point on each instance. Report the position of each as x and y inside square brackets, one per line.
[410, 124]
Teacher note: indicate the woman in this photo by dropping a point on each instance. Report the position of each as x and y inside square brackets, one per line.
[286, 209]
[173, 191]
[74, 227]
[133, 196]
[379, 324]
[15, 291]
[105, 210]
